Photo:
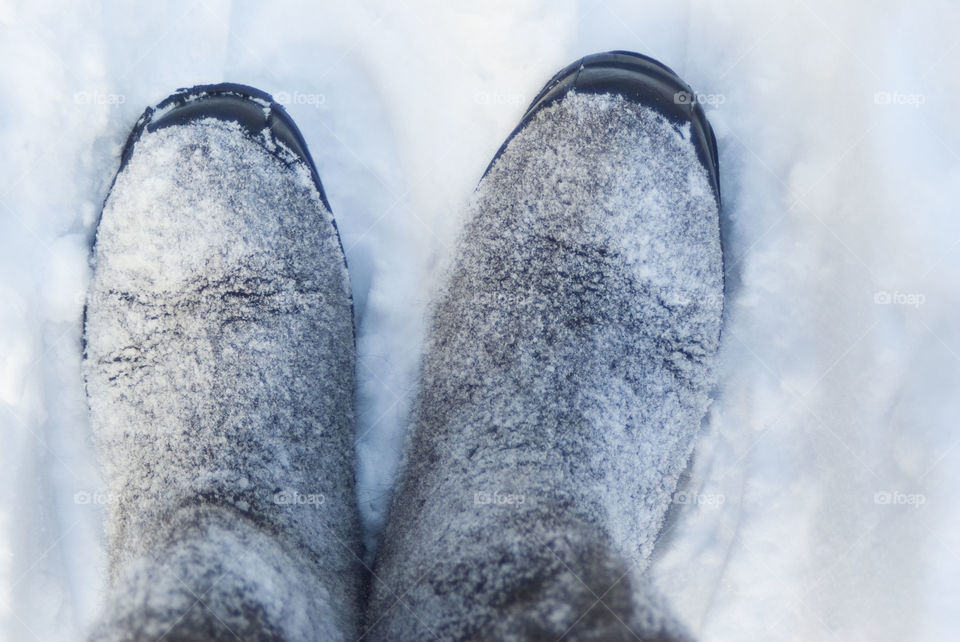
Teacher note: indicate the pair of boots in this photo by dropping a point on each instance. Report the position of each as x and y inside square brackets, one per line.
[566, 372]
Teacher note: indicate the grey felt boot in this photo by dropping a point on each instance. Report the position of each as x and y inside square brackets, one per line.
[219, 361]
[566, 375]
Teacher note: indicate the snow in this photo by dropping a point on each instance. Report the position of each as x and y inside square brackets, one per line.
[821, 503]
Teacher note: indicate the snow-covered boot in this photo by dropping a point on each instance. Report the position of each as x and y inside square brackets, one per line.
[567, 371]
[219, 363]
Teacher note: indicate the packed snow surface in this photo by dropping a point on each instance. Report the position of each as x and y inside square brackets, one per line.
[822, 501]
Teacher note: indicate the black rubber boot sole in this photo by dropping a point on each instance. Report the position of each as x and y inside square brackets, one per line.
[638, 78]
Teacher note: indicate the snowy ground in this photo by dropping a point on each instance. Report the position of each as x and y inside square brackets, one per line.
[823, 502]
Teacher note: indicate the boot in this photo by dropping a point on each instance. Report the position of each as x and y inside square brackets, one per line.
[219, 364]
[566, 373]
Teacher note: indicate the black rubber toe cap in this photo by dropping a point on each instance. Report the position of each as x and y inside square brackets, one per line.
[640, 79]
[255, 110]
